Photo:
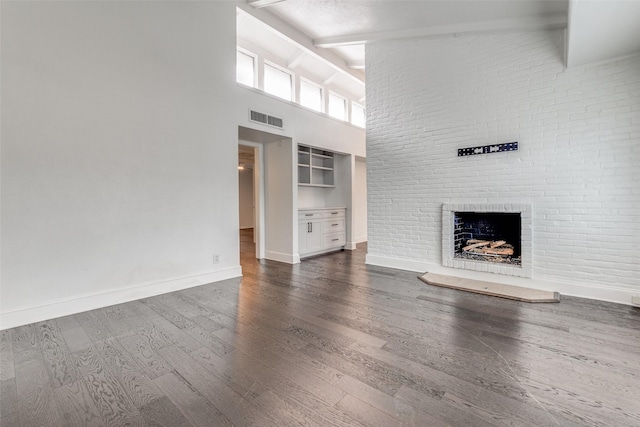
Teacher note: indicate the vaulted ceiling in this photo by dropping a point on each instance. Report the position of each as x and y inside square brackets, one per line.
[339, 29]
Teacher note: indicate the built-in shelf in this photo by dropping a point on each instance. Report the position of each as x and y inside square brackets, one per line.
[315, 167]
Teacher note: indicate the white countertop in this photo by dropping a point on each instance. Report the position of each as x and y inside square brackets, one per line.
[322, 209]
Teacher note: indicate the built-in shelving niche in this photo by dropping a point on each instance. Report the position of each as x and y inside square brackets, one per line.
[315, 167]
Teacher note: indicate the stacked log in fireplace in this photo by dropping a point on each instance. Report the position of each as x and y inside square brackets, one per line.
[487, 237]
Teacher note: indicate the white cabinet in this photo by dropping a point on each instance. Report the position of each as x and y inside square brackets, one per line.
[315, 167]
[321, 230]
[333, 228]
[310, 237]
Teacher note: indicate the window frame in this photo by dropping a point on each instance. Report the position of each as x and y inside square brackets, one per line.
[364, 110]
[255, 66]
[304, 80]
[267, 63]
[345, 117]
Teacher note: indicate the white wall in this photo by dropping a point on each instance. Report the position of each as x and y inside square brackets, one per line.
[301, 124]
[280, 202]
[245, 186]
[360, 201]
[119, 151]
[579, 136]
[311, 197]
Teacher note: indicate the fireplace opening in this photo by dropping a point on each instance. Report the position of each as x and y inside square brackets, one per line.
[488, 236]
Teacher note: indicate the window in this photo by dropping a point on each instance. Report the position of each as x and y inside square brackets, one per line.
[277, 82]
[245, 69]
[310, 95]
[358, 116]
[337, 106]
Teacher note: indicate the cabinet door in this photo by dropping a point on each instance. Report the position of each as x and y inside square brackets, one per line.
[314, 237]
[303, 230]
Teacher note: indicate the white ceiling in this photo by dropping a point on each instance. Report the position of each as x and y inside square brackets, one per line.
[275, 40]
[323, 19]
[598, 29]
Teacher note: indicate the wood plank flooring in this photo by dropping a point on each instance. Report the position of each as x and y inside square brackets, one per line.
[329, 342]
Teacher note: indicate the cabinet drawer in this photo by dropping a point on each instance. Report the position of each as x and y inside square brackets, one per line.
[332, 240]
[331, 225]
[304, 215]
[333, 213]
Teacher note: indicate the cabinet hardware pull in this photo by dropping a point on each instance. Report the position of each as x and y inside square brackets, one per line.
[334, 213]
[335, 240]
[308, 214]
[308, 227]
[333, 225]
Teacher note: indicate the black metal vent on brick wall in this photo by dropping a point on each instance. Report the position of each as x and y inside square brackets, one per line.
[266, 119]
[488, 149]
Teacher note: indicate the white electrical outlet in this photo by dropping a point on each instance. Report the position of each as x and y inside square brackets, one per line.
[635, 300]
[216, 258]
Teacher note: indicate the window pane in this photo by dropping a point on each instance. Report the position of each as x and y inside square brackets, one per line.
[310, 96]
[337, 107]
[277, 82]
[245, 69]
[358, 117]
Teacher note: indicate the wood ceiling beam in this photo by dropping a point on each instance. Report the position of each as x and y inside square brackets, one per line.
[538, 23]
[331, 79]
[296, 60]
[263, 3]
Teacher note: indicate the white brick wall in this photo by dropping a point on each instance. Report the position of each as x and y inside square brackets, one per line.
[578, 162]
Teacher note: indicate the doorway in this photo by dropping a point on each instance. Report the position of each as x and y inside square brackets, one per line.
[247, 200]
[250, 197]
[275, 194]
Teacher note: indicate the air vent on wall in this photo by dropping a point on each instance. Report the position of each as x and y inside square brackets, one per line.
[275, 121]
[266, 119]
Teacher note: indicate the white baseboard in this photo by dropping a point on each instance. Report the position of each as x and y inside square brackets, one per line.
[282, 257]
[617, 294]
[24, 316]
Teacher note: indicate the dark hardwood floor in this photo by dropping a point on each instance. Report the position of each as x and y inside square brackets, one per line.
[329, 342]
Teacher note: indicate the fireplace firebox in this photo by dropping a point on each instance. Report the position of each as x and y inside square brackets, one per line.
[489, 237]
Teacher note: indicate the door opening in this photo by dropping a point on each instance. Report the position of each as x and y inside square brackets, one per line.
[246, 199]
[250, 196]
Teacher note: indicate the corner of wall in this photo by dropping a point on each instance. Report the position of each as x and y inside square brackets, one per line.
[84, 303]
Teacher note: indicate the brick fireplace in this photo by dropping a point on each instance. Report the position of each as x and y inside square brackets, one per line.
[494, 238]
